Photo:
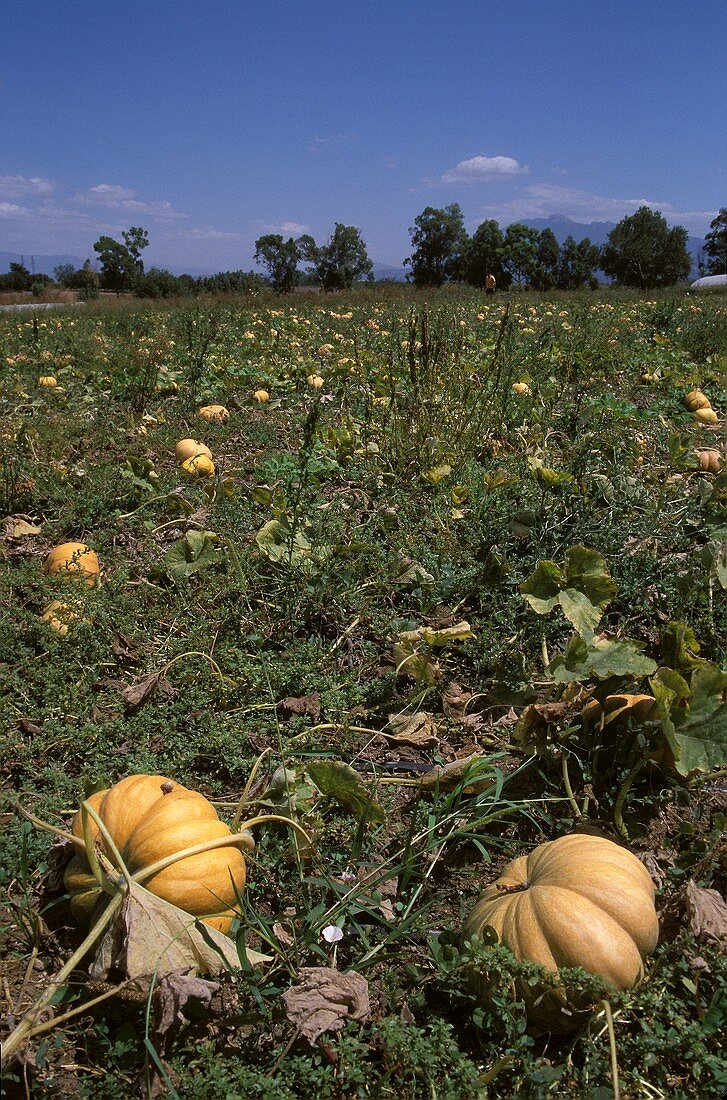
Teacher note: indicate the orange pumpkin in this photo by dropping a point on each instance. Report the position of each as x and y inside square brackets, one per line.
[580, 900]
[73, 561]
[695, 399]
[214, 414]
[149, 818]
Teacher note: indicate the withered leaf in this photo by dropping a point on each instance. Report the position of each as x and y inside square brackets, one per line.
[60, 855]
[707, 913]
[474, 769]
[294, 706]
[142, 691]
[418, 729]
[125, 648]
[455, 700]
[177, 996]
[324, 999]
[20, 527]
[150, 936]
[26, 726]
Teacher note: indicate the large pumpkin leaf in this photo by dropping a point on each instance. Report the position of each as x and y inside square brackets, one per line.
[581, 588]
[600, 659]
[195, 551]
[693, 716]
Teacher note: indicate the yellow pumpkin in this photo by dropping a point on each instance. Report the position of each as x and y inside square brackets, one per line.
[709, 461]
[695, 399]
[150, 817]
[48, 381]
[314, 381]
[261, 396]
[577, 901]
[190, 448]
[73, 561]
[214, 414]
[706, 415]
[521, 387]
[59, 616]
[198, 466]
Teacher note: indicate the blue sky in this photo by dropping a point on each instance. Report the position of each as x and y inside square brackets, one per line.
[212, 122]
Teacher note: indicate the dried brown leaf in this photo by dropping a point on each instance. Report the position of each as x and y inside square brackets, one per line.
[143, 691]
[454, 701]
[448, 776]
[150, 936]
[324, 999]
[418, 729]
[177, 996]
[707, 914]
[295, 706]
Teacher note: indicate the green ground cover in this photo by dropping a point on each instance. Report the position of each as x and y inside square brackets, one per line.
[381, 573]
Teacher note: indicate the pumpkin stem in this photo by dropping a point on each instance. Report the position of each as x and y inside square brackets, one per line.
[251, 779]
[621, 798]
[87, 809]
[567, 784]
[612, 1044]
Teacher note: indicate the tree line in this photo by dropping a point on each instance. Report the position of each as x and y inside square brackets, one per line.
[641, 252]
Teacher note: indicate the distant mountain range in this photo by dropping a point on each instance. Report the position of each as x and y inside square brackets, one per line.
[562, 227]
[598, 232]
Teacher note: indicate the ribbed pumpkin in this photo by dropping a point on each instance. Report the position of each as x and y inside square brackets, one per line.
[59, 616]
[190, 448]
[198, 466]
[261, 396]
[709, 461]
[706, 415]
[214, 414]
[149, 818]
[577, 901]
[73, 561]
[695, 399]
[48, 381]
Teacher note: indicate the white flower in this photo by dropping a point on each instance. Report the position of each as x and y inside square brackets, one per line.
[332, 934]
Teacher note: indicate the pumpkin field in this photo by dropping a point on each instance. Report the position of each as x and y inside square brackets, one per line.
[364, 727]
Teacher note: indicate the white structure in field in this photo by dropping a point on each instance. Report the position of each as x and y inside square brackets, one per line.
[709, 281]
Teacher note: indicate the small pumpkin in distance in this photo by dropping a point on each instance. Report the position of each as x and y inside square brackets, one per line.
[190, 448]
[261, 396]
[695, 399]
[706, 415]
[214, 414]
[149, 818]
[580, 900]
[198, 466]
[73, 561]
[315, 381]
[48, 381]
[709, 461]
[521, 388]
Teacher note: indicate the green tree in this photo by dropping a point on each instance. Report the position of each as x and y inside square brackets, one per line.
[483, 255]
[577, 262]
[715, 244]
[122, 263]
[18, 278]
[340, 262]
[439, 240]
[63, 273]
[546, 261]
[280, 260]
[520, 252]
[642, 251]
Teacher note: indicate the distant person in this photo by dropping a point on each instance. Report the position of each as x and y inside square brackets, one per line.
[490, 284]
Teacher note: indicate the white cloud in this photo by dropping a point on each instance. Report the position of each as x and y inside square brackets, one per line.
[15, 187]
[123, 200]
[12, 210]
[211, 234]
[543, 199]
[291, 229]
[484, 169]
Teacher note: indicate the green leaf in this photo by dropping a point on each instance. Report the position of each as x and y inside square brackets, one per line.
[693, 717]
[342, 783]
[582, 588]
[600, 659]
[278, 543]
[195, 551]
[679, 647]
